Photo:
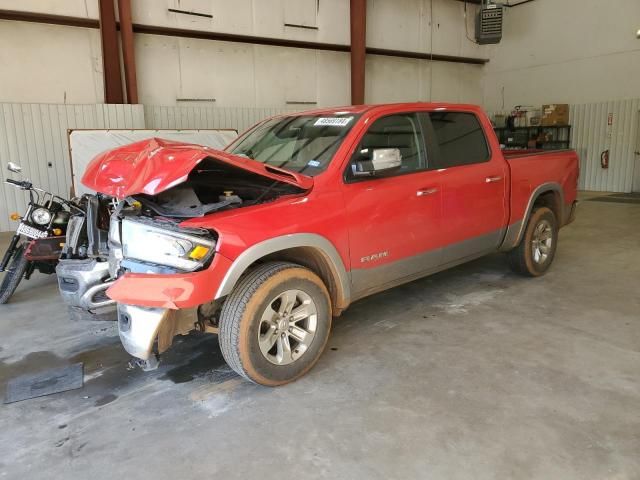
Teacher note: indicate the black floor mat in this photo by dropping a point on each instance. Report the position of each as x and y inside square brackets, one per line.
[54, 380]
[618, 198]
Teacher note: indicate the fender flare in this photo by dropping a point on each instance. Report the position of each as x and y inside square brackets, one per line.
[515, 231]
[285, 242]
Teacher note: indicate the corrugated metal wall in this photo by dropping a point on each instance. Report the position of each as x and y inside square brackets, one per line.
[207, 117]
[35, 137]
[592, 135]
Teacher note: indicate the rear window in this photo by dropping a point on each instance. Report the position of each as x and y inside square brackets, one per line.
[459, 138]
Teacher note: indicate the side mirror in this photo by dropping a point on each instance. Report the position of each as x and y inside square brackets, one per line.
[14, 167]
[377, 162]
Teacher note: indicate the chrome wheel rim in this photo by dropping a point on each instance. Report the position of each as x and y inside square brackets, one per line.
[287, 327]
[542, 241]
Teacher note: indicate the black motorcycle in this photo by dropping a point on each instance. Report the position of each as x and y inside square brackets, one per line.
[39, 238]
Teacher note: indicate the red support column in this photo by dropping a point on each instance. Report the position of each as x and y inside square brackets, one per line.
[110, 53]
[128, 54]
[358, 50]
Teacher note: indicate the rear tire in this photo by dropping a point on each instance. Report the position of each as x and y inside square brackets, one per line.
[537, 249]
[275, 324]
[14, 274]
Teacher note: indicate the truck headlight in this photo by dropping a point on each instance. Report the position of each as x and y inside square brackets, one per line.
[151, 243]
[41, 216]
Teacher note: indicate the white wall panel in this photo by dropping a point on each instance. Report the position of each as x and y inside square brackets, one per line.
[49, 63]
[157, 69]
[390, 79]
[35, 136]
[59, 64]
[592, 135]
[253, 17]
[570, 51]
[206, 117]
[236, 74]
[219, 70]
[72, 8]
[406, 80]
[333, 78]
[301, 12]
[397, 25]
[406, 25]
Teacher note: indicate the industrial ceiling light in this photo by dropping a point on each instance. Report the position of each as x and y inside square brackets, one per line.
[638, 33]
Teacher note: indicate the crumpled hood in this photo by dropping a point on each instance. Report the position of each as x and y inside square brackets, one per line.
[155, 165]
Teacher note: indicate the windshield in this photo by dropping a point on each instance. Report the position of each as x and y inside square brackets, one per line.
[303, 144]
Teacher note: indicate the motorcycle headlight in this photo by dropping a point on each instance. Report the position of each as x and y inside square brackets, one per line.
[151, 243]
[41, 216]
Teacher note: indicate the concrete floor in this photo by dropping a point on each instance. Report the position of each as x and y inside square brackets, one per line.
[472, 373]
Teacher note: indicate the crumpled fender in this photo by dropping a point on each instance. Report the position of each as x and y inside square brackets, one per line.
[173, 291]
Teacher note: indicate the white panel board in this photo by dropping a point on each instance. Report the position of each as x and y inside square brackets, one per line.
[87, 144]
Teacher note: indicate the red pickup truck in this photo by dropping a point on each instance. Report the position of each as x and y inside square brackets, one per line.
[266, 242]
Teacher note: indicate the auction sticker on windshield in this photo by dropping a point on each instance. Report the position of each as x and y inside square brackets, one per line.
[333, 122]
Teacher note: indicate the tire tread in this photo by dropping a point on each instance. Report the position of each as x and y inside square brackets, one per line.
[8, 289]
[518, 256]
[234, 307]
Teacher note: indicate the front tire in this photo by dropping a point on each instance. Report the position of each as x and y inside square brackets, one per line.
[14, 274]
[275, 324]
[537, 249]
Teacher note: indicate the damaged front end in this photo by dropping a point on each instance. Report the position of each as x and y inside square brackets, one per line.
[82, 270]
[163, 273]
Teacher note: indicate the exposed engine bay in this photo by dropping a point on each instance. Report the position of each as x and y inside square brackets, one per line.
[213, 186]
[142, 233]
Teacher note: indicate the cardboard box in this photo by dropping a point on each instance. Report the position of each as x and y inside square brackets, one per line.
[555, 114]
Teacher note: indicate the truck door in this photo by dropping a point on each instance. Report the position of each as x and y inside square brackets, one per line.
[393, 220]
[474, 184]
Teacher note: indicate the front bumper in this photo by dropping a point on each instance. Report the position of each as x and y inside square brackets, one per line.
[83, 284]
[140, 327]
[170, 291]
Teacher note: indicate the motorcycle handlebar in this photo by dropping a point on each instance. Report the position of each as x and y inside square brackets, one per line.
[18, 183]
[27, 185]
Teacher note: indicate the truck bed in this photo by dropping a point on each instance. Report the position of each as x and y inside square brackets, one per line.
[532, 169]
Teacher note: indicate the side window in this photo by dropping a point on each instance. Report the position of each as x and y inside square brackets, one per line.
[458, 139]
[395, 131]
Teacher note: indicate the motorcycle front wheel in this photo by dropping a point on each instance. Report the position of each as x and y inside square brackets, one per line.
[13, 274]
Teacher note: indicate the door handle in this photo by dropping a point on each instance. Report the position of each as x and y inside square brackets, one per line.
[426, 191]
[493, 179]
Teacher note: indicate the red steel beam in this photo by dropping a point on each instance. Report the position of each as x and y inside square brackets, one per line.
[358, 50]
[128, 53]
[113, 92]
